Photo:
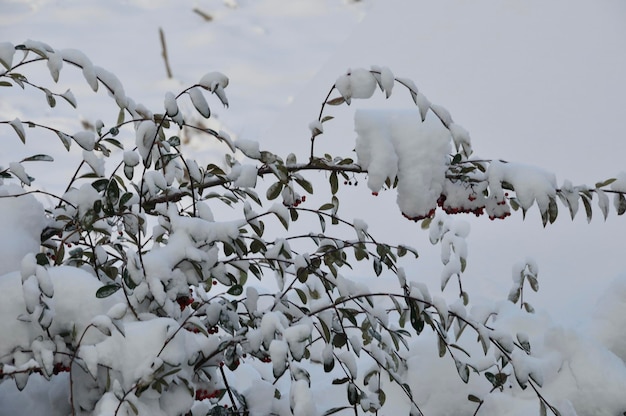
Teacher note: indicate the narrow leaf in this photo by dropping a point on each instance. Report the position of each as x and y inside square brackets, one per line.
[38, 158]
[336, 101]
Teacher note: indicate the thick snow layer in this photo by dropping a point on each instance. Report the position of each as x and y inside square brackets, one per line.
[23, 221]
[74, 304]
[391, 143]
[531, 184]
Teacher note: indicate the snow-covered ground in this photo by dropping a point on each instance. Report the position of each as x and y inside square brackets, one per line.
[533, 82]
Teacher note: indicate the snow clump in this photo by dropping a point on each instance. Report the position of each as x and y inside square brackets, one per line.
[398, 143]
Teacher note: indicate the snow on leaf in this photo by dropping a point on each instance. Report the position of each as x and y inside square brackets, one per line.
[145, 136]
[171, 108]
[55, 63]
[374, 148]
[249, 148]
[423, 104]
[531, 184]
[114, 86]
[18, 170]
[7, 51]
[462, 369]
[461, 139]
[89, 356]
[131, 158]
[221, 94]
[247, 176]
[69, 97]
[297, 337]
[213, 80]
[356, 83]
[117, 311]
[362, 83]
[199, 102]
[95, 163]
[316, 128]
[347, 358]
[387, 80]
[85, 139]
[44, 282]
[19, 129]
[77, 57]
[603, 202]
[442, 114]
[278, 351]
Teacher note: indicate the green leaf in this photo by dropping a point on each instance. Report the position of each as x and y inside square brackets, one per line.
[442, 346]
[301, 295]
[235, 290]
[334, 183]
[125, 198]
[306, 185]
[553, 210]
[336, 101]
[378, 267]
[416, 321]
[587, 205]
[339, 340]
[107, 290]
[514, 295]
[605, 183]
[334, 410]
[42, 259]
[327, 118]
[322, 223]
[341, 380]
[462, 369]
[353, 394]
[456, 159]
[474, 399]
[112, 192]
[534, 283]
[274, 190]
[620, 204]
[65, 139]
[39, 158]
[5, 84]
[50, 98]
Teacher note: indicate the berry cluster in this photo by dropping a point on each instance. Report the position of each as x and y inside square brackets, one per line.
[430, 214]
[478, 210]
[296, 202]
[184, 301]
[202, 394]
[58, 368]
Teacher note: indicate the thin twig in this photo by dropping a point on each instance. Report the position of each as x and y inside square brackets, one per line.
[207, 17]
[164, 53]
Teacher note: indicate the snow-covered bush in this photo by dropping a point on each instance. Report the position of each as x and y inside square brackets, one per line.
[133, 292]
